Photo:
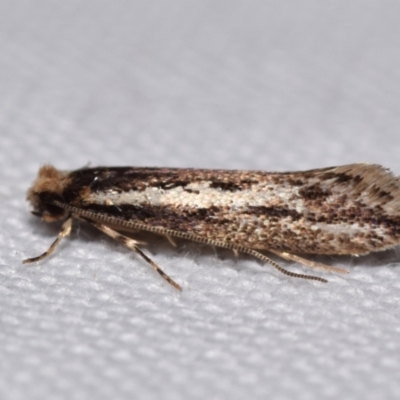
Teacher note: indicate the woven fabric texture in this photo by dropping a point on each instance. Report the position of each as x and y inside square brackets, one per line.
[214, 84]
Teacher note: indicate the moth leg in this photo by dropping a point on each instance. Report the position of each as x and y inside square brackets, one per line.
[235, 252]
[309, 263]
[64, 232]
[171, 240]
[133, 245]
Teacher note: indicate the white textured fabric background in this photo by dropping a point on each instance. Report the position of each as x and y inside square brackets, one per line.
[273, 85]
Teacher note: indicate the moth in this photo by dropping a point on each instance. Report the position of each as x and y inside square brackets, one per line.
[351, 209]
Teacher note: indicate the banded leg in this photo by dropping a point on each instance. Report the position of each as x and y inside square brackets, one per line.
[133, 245]
[64, 232]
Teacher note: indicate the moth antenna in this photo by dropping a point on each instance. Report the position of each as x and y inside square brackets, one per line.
[309, 263]
[233, 247]
[251, 252]
[281, 269]
[89, 216]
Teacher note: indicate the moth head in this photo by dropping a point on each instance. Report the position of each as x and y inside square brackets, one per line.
[48, 186]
